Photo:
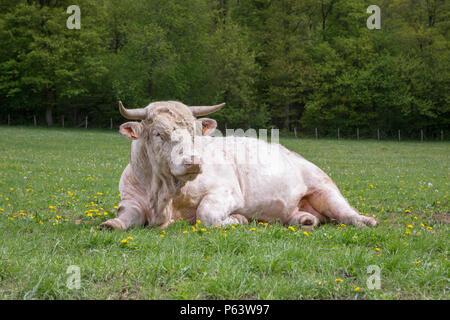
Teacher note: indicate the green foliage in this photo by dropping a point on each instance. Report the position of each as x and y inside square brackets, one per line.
[303, 64]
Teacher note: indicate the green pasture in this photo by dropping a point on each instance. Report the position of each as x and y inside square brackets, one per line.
[58, 185]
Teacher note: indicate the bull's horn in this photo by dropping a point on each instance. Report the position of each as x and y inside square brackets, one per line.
[198, 111]
[132, 114]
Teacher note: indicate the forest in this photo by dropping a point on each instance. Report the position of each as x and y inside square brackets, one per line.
[284, 64]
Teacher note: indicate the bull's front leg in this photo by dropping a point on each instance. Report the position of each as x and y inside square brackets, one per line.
[216, 209]
[129, 215]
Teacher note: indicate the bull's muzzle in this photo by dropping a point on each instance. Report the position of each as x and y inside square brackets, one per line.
[192, 164]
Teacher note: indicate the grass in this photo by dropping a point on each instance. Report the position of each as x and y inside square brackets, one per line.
[57, 185]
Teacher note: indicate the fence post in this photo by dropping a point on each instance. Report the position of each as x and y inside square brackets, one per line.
[35, 121]
[357, 133]
[295, 132]
[398, 135]
[378, 134]
[86, 122]
[316, 134]
[421, 135]
[110, 123]
[63, 121]
[338, 133]
[9, 119]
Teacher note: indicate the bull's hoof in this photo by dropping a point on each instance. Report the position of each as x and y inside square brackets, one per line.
[367, 222]
[308, 222]
[113, 224]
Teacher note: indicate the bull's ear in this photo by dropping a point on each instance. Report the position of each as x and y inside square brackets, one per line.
[131, 129]
[208, 126]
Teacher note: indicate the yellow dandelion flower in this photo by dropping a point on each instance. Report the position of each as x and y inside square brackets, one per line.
[252, 229]
[407, 211]
[130, 238]
[198, 221]
[185, 231]
[357, 289]
[124, 241]
[377, 249]
[291, 228]
[429, 228]
[320, 283]
[306, 233]
[161, 235]
[339, 280]
[410, 226]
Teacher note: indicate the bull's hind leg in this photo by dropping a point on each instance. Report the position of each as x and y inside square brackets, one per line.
[129, 215]
[333, 205]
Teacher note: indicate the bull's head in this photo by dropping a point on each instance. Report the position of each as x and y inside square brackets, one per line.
[167, 132]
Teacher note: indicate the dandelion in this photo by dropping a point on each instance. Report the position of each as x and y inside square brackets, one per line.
[203, 229]
[198, 221]
[410, 226]
[339, 280]
[185, 231]
[378, 249]
[161, 235]
[416, 262]
[320, 283]
[343, 225]
[407, 211]
[291, 228]
[124, 241]
[306, 233]
[130, 238]
[357, 289]
[429, 228]
[252, 229]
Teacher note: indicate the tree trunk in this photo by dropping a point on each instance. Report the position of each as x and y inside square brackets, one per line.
[286, 119]
[48, 110]
[49, 115]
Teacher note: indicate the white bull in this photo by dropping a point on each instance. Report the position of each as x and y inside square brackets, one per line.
[220, 181]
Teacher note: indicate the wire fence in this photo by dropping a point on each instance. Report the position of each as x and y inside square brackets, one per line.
[378, 134]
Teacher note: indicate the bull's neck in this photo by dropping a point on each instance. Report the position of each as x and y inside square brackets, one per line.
[160, 189]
